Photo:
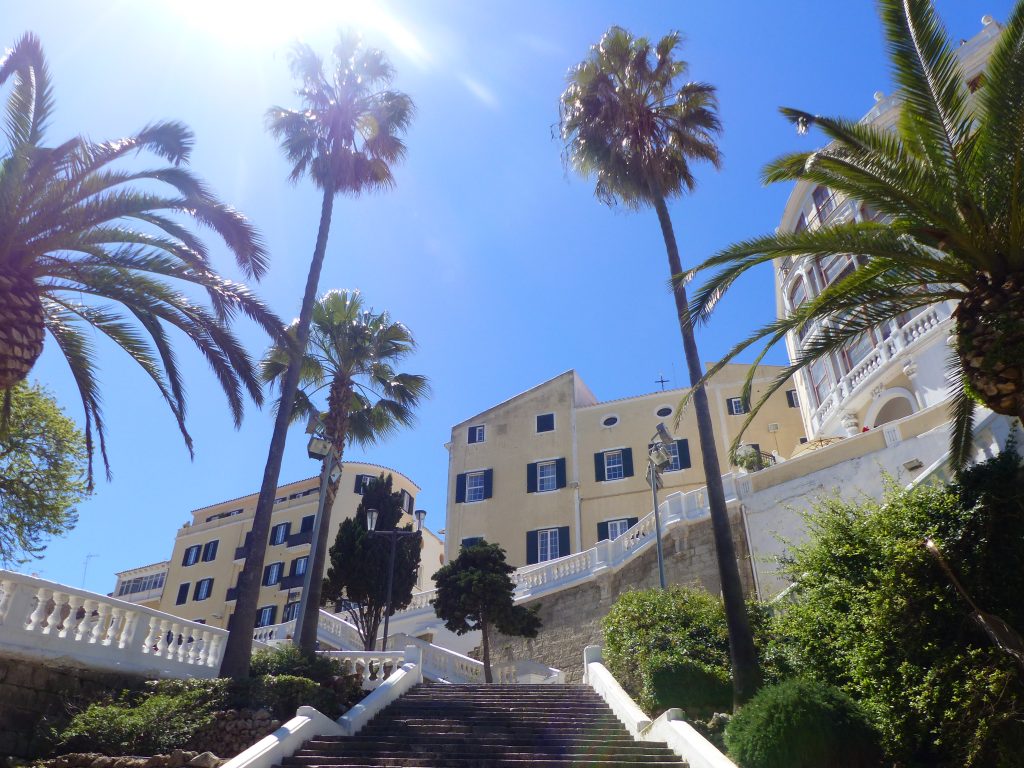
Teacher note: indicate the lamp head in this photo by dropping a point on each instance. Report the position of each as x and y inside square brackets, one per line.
[663, 434]
[318, 448]
[371, 519]
[660, 456]
[421, 515]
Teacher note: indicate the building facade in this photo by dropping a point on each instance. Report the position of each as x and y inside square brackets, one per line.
[143, 585]
[552, 471]
[898, 369]
[210, 550]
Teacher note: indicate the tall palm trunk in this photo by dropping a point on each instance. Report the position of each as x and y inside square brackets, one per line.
[337, 429]
[238, 650]
[745, 668]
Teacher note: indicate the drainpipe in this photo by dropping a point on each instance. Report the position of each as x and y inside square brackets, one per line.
[750, 551]
[576, 478]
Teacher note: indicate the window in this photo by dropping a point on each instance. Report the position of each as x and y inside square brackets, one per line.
[547, 543]
[824, 203]
[299, 565]
[475, 487]
[801, 224]
[182, 593]
[737, 406]
[679, 450]
[546, 480]
[617, 527]
[469, 541]
[476, 434]
[363, 483]
[610, 421]
[820, 383]
[272, 574]
[290, 611]
[545, 422]
[797, 294]
[203, 589]
[191, 555]
[307, 523]
[265, 615]
[613, 469]
[210, 550]
[279, 533]
[664, 412]
[835, 268]
[792, 398]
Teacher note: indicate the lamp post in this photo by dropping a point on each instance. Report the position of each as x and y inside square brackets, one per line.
[658, 458]
[372, 515]
[319, 447]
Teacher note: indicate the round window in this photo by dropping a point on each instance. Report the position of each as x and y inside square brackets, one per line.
[664, 411]
[610, 421]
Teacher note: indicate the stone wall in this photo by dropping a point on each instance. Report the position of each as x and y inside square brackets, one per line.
[31, 691]
[572, 617]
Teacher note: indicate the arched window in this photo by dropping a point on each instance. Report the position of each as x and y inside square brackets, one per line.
[798, 293]
[824, 203]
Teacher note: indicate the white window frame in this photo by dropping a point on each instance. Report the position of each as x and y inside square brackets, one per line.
[478, 431]
[274, 538]
[793, 398]
[475, 491]
[192, 555]
[736, 406]
[263, 615]
[274, 576]
[675, 465]
[619, 468]
[547, 476]
[204, 588]
[547, 544]
[617, 527]
[294, 606]
[301, 563]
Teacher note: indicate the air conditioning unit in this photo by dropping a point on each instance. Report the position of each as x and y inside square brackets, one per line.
[773, 427]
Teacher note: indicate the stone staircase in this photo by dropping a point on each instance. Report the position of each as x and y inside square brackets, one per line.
[490, 726]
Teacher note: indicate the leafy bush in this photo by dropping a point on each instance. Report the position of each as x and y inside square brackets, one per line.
[671, 649]
[802, 724]
[289, 660]
[876, 615]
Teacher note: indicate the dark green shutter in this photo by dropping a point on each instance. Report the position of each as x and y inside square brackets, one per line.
[273, 616]
[359, 484]
[631, 521]
[560, 473]
[599, 467]
[488, 483]
[182, 594]
[627, 462]
[563, 541]
[531, 477]
[602, 531]
[531, 547]
[683, 446]
[460, 488]
[307, 523]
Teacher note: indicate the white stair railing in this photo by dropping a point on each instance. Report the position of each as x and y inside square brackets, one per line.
[44, 620]
[446, 666]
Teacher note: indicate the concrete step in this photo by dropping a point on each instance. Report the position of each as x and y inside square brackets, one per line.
[475, 762]
[504, 753]
[538, 740]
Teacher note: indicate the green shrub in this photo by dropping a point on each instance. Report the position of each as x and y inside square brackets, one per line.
[283, 694]
[701, 689]
[875, 615]
[802, 724]
[289, 660]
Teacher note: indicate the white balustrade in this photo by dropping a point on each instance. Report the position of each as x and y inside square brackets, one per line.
[47, 621]
[372, 667]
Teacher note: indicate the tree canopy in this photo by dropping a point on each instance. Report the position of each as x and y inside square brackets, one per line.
[42, 474]
[358, 572]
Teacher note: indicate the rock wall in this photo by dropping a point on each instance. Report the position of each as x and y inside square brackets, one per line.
[572, 617]
[31, 691]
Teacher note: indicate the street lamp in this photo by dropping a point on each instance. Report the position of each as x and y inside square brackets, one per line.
[319, 447]
[372, 515]
[658, 457]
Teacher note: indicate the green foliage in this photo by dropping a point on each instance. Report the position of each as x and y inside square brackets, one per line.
[670, 648]
[359, 562]
[876, 616]
[289, 660]
[42, 474]
[802, 724]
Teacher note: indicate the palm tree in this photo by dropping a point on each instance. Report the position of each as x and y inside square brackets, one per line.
[77, 232]
[948, 183]
[350, 354]
[628, 122]
[346, 137]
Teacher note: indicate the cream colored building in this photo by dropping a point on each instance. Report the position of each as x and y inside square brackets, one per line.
[143, 585]
[551, 471]
[210, 550]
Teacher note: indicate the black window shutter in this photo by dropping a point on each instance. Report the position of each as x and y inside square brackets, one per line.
[488, 483]
[184, 557]
[182, 594]
[359, 484]
[683, 446]
[599, 467]
[560, 473]
[563, 541]
[631, 521]
[287, 530]
[602, 531]
[531, 477]
[307, 523]
[266, 575]
[531, 547]
[195, 592]
[460, 488]
[627, 462]
[273, 615]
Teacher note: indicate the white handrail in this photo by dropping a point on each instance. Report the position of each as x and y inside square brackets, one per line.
[444, 665]
[44, 620]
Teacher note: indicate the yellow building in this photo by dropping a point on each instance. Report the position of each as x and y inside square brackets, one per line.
[210, 550]
[552, 471]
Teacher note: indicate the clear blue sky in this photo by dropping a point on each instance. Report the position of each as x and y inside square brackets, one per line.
[506, 269]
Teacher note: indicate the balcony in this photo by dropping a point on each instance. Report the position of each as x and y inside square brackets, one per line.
[242, 552]
[291, 582]
[300, 538]
[232, 594]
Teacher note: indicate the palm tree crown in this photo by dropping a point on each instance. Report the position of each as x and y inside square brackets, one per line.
[76, 232]
[947, 184]
[348, 133]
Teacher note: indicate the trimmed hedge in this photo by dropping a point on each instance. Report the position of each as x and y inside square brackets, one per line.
[802, 723]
